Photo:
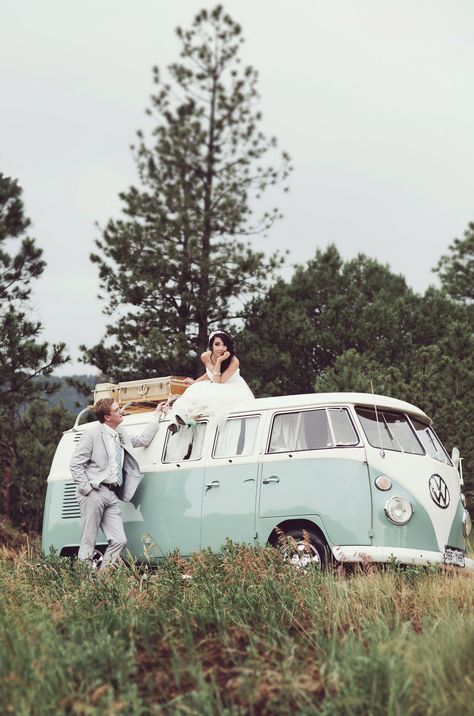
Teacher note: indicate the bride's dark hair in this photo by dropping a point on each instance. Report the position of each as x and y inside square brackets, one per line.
[228, 341]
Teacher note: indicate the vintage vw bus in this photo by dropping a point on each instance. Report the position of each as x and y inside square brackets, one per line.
[348, 476]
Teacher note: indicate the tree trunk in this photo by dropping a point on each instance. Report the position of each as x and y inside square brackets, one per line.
[203, 314]
[7, 465]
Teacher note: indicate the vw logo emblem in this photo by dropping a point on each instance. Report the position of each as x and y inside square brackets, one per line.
[439, 491]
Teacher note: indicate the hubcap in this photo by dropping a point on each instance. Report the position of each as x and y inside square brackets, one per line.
[302, 554]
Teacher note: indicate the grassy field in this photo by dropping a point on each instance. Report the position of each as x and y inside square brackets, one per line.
[238, 633]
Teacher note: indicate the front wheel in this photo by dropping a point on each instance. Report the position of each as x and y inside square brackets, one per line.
[303, 549]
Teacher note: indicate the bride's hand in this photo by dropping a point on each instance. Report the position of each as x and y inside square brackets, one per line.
[224, 357]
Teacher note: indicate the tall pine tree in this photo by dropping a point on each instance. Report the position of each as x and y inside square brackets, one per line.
[177, 265]
[456, 268]
[25, 363]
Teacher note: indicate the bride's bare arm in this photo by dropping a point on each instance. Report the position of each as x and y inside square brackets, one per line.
[206, 361]
[204, 376]
[219, 377]
[190, 381]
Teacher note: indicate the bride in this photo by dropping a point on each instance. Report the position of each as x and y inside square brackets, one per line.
[217, 390]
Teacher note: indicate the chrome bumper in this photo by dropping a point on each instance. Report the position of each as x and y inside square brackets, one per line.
[366, 553]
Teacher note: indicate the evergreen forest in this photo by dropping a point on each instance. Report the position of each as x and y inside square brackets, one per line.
[183, 244]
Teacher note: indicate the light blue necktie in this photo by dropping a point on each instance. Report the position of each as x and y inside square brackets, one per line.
[118, 459]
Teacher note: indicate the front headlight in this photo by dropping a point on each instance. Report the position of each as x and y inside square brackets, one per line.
[398, 510]
[466, 524]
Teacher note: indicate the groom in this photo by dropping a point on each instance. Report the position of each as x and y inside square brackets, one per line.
[104, 468]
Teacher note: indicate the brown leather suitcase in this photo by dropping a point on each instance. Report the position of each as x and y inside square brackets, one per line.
[151, 390]
[106, 390]
[139, 395]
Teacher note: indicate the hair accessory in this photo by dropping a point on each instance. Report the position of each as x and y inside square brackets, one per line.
[214, 333]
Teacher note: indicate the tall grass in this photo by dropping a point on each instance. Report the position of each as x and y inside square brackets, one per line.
[236, 633]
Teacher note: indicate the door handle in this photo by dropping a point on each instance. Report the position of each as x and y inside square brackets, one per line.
[273, 478]
[214, 483]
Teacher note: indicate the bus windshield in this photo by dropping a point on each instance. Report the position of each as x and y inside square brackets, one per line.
[431, 442]
[390, 431]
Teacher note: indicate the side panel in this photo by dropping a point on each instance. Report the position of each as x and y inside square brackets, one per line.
[165, 513]
[61, 520]
[332, 484]
[228, 508]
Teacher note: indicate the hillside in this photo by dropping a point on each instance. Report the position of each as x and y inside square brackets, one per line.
[71, 398]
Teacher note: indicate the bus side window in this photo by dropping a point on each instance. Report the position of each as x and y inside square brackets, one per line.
[315, 433]
[284, 431]
[306, 430]
[344, 431]
[186, 444]
[237, 438]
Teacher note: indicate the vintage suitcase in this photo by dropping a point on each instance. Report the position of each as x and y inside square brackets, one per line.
[106, 390]
[151, 390]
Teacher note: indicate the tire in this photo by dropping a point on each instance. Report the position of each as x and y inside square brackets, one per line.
[304, 549]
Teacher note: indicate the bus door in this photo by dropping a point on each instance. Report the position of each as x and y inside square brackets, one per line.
[315, 465]
[230, 484]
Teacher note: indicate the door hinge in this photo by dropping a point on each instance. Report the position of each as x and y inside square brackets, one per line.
[255, 535]
[371, 533]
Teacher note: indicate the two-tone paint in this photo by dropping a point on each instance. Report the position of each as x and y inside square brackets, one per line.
[205, 499]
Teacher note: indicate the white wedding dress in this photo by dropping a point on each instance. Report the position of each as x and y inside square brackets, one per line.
[215, 399]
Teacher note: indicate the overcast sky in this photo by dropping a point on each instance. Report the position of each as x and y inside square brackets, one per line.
[373, 99]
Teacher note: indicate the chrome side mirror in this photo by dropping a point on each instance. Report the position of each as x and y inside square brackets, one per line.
[455, 457]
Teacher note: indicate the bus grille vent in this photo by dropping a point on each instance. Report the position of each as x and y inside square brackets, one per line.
[71, 510]
[76, 437]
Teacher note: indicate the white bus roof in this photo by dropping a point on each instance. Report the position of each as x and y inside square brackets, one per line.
[309, 399]
[291, 402]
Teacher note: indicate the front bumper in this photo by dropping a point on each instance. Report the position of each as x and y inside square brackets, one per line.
[363, 553]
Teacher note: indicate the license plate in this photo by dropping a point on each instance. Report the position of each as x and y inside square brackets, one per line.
[453, 555]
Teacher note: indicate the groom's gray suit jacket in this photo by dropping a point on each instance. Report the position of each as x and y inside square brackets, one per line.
[91, 459]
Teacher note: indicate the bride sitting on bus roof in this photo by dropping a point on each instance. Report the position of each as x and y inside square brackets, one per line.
[217, 390]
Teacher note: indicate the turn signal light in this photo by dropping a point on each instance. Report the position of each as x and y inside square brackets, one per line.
[382, 482]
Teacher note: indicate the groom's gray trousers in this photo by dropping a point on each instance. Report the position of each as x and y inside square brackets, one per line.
[100, 508]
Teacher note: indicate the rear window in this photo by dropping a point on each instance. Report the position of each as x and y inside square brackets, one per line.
[312, 430]
[390, 431]
[431, 442]
[185, 444]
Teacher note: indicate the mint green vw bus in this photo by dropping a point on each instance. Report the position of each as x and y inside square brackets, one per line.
[346, 477]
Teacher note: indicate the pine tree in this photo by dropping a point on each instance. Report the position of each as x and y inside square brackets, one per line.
[456, 269]
[25, 363]
[178, 265]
